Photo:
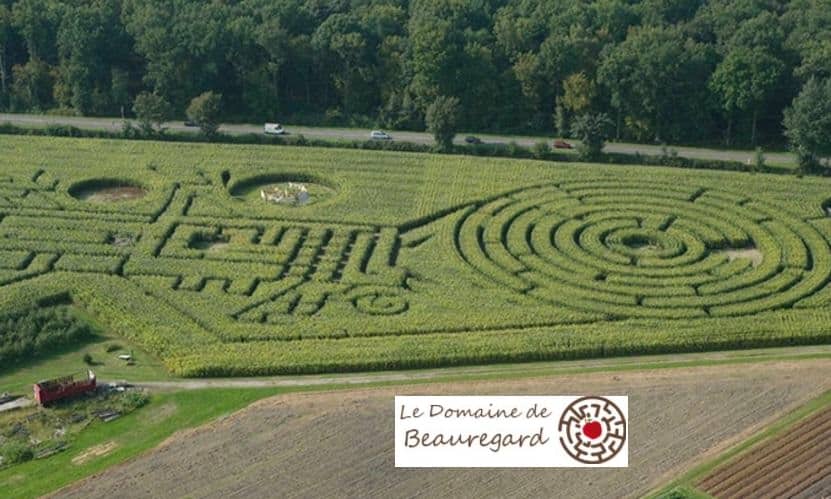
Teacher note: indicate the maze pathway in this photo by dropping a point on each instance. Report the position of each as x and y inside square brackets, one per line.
[440, 267]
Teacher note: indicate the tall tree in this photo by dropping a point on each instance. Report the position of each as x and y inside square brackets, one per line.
[32, 86]
[592, 130]
[657, 78]
[204, 111]
[152, 110]
[78, 47]
[5, 37]
[743, 82]
[442, 119]
[37, 22]
[340, 39]
[183, 43]
[808, 123]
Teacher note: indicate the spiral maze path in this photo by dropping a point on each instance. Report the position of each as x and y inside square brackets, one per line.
[645, 249]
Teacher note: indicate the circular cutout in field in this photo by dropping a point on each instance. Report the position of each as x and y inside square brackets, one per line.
[644, 249]
[107, 191]
[285, 190]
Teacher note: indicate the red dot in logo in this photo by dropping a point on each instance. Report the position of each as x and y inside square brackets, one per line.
[592, 429]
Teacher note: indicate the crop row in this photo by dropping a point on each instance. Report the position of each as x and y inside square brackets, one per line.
[412, 260]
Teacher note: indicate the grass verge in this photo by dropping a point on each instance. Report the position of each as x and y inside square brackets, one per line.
[103, 445]
[18, 378]
[684, 488]
[124, 438]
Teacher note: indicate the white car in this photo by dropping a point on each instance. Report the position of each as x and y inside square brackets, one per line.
[274, 129]
[379, 135]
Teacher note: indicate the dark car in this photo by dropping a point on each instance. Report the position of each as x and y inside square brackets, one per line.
[473, 140]
[191, 123]
[562, 144]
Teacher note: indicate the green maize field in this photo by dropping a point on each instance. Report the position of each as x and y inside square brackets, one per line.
[407, 260]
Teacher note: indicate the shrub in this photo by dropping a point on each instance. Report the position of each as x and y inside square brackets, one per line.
[204, 111]
[441, 118]
[592, 130]
[134, 399]
[63, 131]
[15, 452]
[541, 150]
[758, 160]
[152, 110]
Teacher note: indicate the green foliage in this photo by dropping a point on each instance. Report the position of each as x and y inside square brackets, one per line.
[37, 433]
[561, 125]
[592, 130]
[407, 262]
[759, 160]
[36, 331]
[369, 62]
[541, 150]
[31, 86]
[16, 452]
[442, 119]
[579, 92]
[134, 399]
[648, 72]
[152, 110]
[808, 124]
[204, 111]
[745, 80]
[676, 493]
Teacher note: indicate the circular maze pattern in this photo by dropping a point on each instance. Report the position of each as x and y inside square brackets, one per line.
[592, 430]
[644, 249]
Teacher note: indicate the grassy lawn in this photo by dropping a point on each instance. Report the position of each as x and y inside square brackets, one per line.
[126, 437]
[107, 366]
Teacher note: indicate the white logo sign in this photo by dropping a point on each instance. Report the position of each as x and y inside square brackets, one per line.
[511, 431]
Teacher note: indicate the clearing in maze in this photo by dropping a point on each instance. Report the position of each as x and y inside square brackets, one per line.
[403, 260]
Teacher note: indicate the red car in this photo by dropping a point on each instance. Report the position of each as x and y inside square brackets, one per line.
[562, 144]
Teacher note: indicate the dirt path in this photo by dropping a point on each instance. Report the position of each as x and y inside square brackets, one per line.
[497, 370]
[340, 444]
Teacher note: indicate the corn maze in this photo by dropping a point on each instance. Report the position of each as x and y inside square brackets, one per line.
[643, 249]
[406, 260]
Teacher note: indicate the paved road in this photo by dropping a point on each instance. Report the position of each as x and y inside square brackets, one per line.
[496, 371]
[114, 124]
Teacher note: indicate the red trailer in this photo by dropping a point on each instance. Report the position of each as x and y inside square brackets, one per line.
[63, 388]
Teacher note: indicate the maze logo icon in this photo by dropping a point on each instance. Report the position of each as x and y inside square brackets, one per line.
[592, 430]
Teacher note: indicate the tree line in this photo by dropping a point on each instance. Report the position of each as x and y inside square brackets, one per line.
[681, 71]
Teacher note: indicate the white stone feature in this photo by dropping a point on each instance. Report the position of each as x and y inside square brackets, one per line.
[291, 194]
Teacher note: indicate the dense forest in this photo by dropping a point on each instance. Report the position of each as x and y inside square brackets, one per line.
[662, 70]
